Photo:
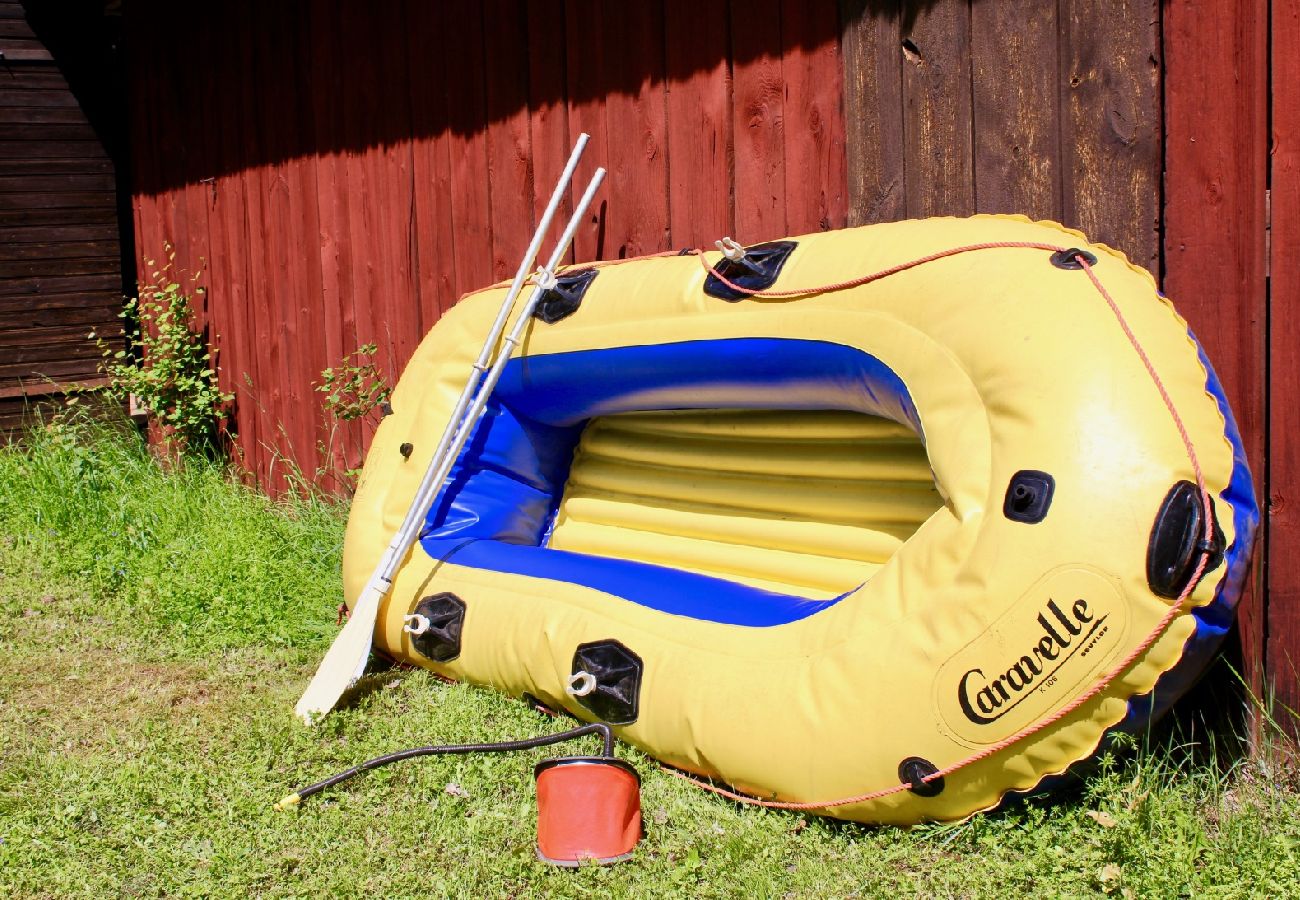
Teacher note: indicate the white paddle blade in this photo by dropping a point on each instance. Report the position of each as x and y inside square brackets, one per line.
[345, 661]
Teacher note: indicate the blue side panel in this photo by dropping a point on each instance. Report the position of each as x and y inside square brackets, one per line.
[507, 480]
[1214, 619]
[740, 373]
[658, 587]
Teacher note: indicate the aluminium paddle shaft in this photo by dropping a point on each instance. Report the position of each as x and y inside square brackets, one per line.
[346, 659]
[545, 280]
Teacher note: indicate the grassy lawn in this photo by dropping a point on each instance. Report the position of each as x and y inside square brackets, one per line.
[155, 631]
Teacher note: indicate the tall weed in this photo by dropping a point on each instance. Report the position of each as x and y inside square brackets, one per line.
[191, 552]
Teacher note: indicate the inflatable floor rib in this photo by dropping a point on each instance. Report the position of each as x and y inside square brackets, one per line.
[885, 550]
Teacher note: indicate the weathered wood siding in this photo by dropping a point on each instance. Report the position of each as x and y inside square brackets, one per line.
[1216, 246]
[60, 261]
[1052, 110]
[1278, 622]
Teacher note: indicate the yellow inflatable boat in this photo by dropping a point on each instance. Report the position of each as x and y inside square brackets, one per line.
[881, 523]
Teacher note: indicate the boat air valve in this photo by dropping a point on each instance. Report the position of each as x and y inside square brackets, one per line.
[753, 268]
[563, 294]
[606, 680]
[1029, 496]
[588, 807]
[435, 626]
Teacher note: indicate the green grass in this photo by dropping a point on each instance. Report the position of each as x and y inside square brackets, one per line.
[155, 630]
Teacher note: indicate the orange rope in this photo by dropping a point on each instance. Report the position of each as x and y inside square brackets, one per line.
[1105, 681]
[883, 273]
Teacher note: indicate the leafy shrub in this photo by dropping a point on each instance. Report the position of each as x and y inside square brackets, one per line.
[355, 388]
[168, 368]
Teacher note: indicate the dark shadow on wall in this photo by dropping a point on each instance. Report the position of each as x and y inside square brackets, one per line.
[84, 37]
[216, 87]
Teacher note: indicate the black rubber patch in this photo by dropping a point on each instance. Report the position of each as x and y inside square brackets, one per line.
[758, 271]
[617, 671]
[446, 615]
[1069, 258]
[406, 450]
[912, 770]
[1178, 541]
[1028, 496]
[563, 300]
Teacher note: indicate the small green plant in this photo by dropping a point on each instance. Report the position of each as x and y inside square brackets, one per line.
[167, 366]
[356, 387]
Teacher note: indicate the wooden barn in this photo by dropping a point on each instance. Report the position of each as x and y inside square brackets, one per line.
[61, 132]
[341, 172]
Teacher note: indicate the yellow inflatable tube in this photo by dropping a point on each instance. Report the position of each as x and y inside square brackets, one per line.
[886, 551]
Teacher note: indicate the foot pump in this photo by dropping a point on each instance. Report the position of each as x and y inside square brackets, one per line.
[588, 807]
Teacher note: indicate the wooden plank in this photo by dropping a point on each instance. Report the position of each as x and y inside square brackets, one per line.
[36, 234]
[21, 92]
[1015, 108]
[50, 131]
[35, 356]
[435, 258]
[636, 189]
[22, 218]
[701, 189]
[34, 268]
[16, 79]
[937, 112]
[15, 27]
[1216, 123]
[56, 285]
[548, 112]
[50, 310]
[271, 286]
[229, 233]
[1110, 123]
[35, 333]
[259, 371]
[471, 202]
[873, 112]
[52, 369]
[33, 391]
[1282, 652]
[335, 249]
[54, 252]
[585, 55]
[295, 209]
[16, 50]
[509, 151]
[64, 115]
[816, 190]
[19, 326]
[57, 200]
[758, 121]
[332, 104]
[43, 165]
[33, 149]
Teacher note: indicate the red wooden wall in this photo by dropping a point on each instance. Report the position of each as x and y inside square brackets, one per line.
[1282, 624]
[344, 171]
[1218, 155]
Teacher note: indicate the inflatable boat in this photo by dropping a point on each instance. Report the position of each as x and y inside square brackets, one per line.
[882, 523]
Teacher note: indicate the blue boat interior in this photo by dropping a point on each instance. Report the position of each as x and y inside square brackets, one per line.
[506, 486]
